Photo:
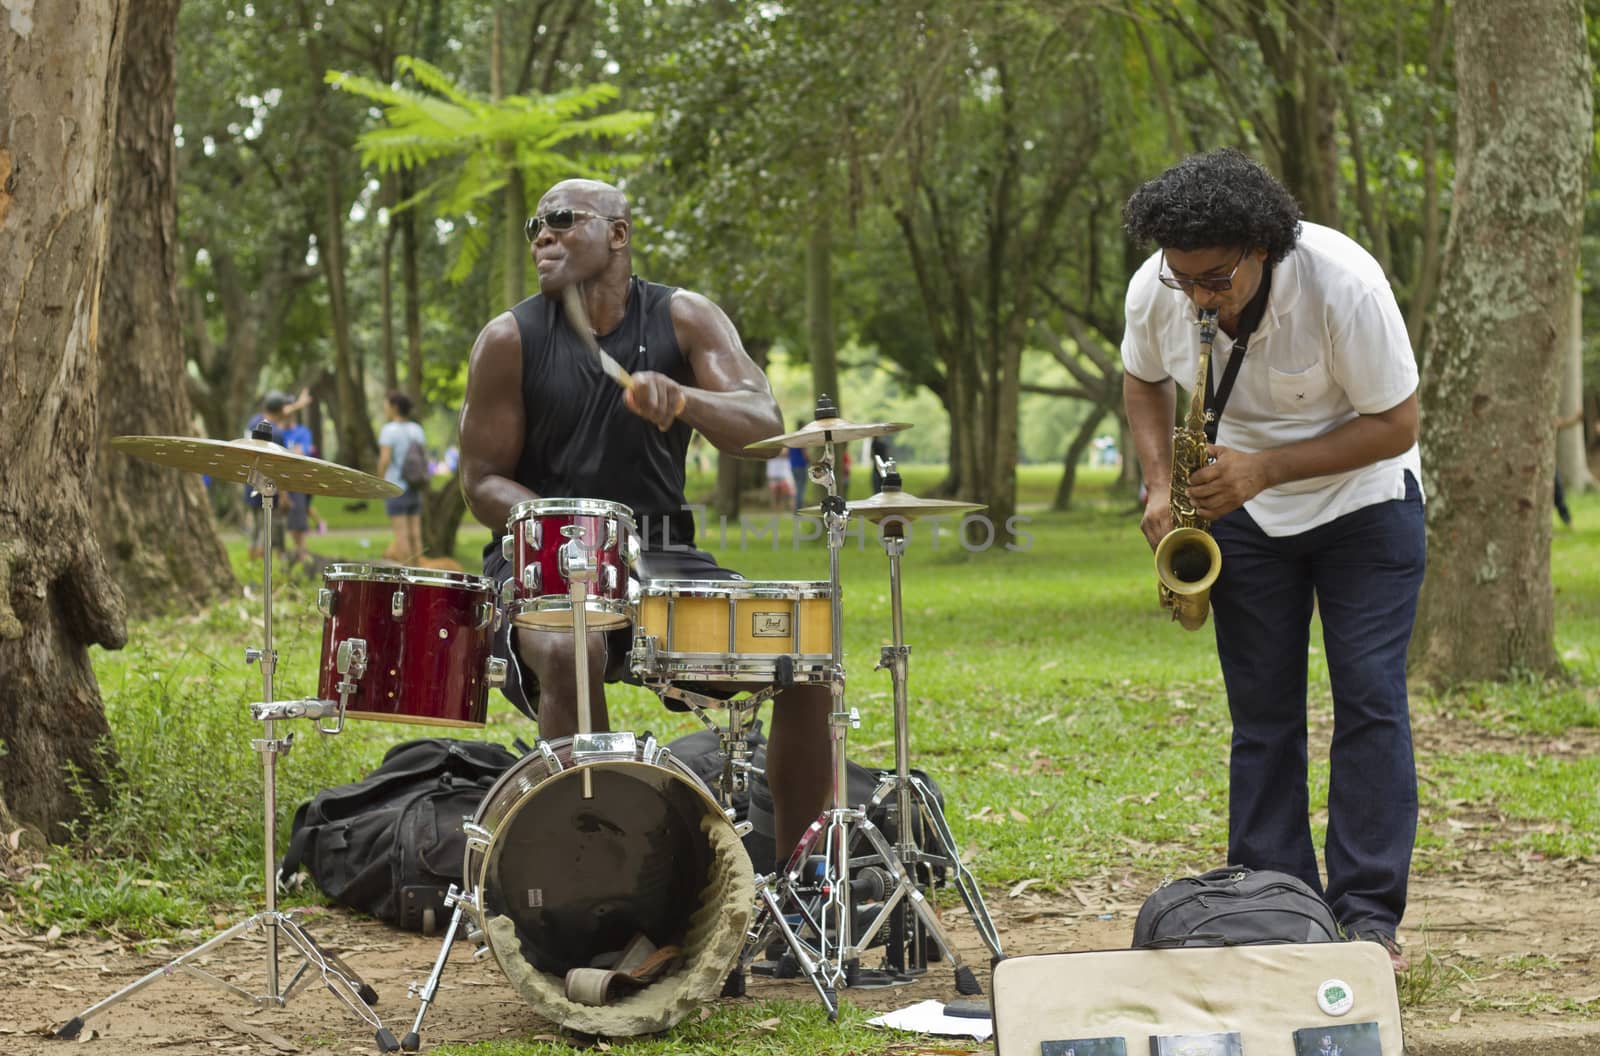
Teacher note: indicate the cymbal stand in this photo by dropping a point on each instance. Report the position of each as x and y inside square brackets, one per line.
[913, 802]
[577, 563]
[823, 905]
[339, 979]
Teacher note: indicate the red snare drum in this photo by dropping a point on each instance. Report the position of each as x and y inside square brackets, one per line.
[538, 530]
[427, 636]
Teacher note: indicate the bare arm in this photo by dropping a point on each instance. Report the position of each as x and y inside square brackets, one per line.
[731, 403]
[1150, 406]
[1239, 476]
[493, 424]
[385, 454]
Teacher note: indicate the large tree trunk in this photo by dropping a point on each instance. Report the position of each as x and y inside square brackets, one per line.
[1521, 167]
[58, 109]
[155, 525]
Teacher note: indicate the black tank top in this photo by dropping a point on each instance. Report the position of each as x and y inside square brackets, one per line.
[581, 441]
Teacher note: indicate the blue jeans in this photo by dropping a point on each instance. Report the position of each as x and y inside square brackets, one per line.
[1365, 570]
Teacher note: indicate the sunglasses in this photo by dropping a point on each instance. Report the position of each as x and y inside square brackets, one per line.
[1216, 284]
[560, 220]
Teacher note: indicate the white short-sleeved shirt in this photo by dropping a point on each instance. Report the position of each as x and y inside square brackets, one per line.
[1331, 345]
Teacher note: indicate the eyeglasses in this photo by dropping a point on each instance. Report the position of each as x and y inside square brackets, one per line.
[1216, 284]
[560, 220]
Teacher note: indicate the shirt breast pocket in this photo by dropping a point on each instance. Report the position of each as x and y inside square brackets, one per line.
[1298, 390]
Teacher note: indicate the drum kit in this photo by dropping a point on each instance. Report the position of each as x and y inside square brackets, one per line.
[591, 842]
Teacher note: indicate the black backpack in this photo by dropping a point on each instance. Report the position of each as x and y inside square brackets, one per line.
[1234, 906]
[391, 844]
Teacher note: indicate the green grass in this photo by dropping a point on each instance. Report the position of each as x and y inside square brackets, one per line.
[1073, 728]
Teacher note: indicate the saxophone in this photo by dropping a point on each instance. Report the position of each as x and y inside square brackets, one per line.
[1187, 558]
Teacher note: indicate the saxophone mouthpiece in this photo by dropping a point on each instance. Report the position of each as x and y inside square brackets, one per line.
[1207, 321]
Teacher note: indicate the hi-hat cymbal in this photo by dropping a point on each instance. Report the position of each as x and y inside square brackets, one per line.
[831, 430]
[235, 460]
[891, 502]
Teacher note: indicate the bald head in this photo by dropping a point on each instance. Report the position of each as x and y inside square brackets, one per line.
[595, 195]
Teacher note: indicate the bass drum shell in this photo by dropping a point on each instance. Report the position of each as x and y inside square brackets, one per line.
[560, 880]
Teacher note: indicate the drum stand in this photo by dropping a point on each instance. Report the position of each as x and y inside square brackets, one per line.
[336, 976]
[580, 568]
[827, 947]
[912, 801]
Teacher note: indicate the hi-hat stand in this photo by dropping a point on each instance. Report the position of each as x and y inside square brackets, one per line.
[336, 976]
[914, 806]
[856, 859]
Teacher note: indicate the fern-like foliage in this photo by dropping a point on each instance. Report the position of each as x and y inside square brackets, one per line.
[544, 137]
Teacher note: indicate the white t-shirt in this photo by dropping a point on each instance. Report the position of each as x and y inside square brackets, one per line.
[1331, 345]
[398, 438]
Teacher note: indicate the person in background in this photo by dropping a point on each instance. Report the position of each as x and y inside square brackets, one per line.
[275, 414]
[800, 470]
[780, 483]
[297, 438]
[1576, 418]
[396, 437]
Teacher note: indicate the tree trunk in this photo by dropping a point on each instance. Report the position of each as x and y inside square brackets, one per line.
[1524, 131]
[58, 103]
[358, 446]
[729, 485]
[391, 370]
[443, 509]
[413, 289]
[819, 316]
[1572, 456]
[155, 525]
[1069, 469]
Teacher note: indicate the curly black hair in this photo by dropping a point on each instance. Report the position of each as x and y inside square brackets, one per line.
[1222, 198]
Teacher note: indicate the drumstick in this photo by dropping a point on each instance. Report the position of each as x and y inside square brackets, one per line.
[578, 316]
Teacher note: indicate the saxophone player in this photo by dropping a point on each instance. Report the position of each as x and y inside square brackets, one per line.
[1311, 487]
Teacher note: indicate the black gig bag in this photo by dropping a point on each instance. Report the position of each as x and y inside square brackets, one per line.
[391, 844]
[1234, 906]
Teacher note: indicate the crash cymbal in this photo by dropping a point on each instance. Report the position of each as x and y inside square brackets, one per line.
[235, 460]
[891, 502]
[835, 430]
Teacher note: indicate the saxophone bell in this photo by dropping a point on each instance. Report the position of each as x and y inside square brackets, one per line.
[1188, 562]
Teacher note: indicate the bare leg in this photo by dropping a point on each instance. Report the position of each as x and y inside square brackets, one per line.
[548, 653]
[414, 537]
[397, 547]
[799, 763]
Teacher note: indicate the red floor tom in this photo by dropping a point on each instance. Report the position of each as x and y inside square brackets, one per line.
[534, 545]
[427, 635]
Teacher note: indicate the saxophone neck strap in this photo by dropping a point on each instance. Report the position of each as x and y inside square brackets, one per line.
[1249, 319]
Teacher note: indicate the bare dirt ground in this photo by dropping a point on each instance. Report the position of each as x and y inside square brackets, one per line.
[1505, 963]
[1505, 949]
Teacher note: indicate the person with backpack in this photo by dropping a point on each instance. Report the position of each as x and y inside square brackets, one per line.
[403, 460]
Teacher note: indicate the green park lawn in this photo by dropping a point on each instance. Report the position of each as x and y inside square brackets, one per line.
[1072, 727]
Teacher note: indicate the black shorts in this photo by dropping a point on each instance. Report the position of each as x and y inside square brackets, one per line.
[521, 687]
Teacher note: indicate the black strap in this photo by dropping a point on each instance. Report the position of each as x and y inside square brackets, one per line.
[1249, 319]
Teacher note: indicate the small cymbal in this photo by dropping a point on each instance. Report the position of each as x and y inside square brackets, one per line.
[234, 460]
[895, 503]
[834, 430]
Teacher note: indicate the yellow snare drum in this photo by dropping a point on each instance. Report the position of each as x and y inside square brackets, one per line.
[696, 630]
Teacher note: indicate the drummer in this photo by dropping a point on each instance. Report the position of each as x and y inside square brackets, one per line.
[541, 420]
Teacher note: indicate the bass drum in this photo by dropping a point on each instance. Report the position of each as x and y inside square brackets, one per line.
[558, 881]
